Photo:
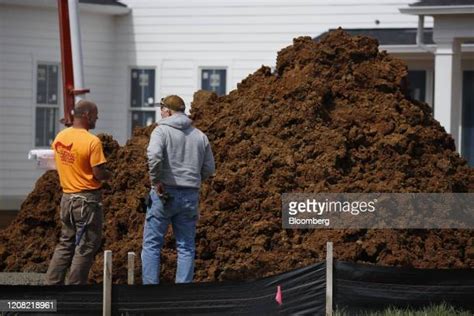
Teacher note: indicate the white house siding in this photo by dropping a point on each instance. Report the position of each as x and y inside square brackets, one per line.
[29, 35]
[174, 37]
[178, 37]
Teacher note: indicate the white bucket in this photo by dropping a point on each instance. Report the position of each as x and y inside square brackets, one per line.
[44, 158]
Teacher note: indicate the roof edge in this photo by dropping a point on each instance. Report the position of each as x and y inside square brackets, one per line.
[409, 48]
[438, 10]
[104, 9]
[84, 7]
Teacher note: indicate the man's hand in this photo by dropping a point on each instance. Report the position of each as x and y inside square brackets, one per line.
[101, 173]
[159, 188]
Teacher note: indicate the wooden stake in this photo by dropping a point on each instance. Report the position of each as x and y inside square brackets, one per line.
[131, 268]
[107, 294]
[329, 278]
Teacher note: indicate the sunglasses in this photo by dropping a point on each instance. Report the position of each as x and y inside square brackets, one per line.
[161, 104]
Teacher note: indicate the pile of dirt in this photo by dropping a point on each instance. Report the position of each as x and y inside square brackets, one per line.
[333, 117]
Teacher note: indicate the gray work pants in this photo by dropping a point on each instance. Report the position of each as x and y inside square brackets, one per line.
[81, 236]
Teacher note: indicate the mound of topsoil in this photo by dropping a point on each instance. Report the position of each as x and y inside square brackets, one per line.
[333, 117]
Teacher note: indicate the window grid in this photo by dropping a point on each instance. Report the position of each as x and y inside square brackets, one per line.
[214, 79]
[142, 97]
[47, 103]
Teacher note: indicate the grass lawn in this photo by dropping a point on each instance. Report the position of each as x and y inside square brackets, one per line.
[438, 310]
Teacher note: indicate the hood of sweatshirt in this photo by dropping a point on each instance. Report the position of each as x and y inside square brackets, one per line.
[178, 120]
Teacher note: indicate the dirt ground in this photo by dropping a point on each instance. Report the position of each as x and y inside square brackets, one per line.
[334, 116]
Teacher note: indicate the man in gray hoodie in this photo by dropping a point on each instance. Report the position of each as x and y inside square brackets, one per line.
[179, 158]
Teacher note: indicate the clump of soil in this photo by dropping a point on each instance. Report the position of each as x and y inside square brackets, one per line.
[333, 117]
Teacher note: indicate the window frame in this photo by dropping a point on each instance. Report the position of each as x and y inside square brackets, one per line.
[131, 109]
[429, 94]
[59, 106]
[429, 84]
[461, 150]
[214, 67]
[425, 73]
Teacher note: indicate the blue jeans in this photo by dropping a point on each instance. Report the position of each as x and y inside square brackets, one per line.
[181, 211]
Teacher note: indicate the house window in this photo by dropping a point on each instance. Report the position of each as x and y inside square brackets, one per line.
[467, 145]
[142, 97]
[417, 84]
[47, 104]
[214, 80]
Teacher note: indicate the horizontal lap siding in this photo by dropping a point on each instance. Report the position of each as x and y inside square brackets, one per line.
[31, 35]
[174, 37]
[178, 37]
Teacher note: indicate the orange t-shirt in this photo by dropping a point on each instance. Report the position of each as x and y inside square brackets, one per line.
[76, 151]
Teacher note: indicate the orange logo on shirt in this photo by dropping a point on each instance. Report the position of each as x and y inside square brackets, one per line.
[65, 153]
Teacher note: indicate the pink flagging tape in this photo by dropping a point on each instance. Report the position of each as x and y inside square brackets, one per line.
[278, 296]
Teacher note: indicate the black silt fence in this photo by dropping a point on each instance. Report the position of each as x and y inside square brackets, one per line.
[356, 287]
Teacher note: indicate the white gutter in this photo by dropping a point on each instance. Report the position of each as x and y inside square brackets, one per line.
[104, 9]
[83, 7]
[406, 49]
[438, 10]
[76, 48]
[414, 49]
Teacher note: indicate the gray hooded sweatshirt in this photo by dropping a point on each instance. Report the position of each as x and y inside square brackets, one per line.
[179, 154]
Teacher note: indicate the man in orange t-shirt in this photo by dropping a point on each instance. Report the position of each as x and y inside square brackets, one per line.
[80, 162]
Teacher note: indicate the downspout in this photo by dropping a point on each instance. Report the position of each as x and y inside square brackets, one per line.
[419, 31]
[419, 35]
[71, 56]
[76, 48]
[420, 44]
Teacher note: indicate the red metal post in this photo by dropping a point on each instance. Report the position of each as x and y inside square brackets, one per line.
[66, 61]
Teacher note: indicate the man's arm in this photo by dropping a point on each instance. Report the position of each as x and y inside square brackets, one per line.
[97, 161]
[101, 173]
[155, 156]
[208, 166]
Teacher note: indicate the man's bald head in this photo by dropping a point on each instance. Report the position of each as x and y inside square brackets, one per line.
[84, 107]
[85, 114]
